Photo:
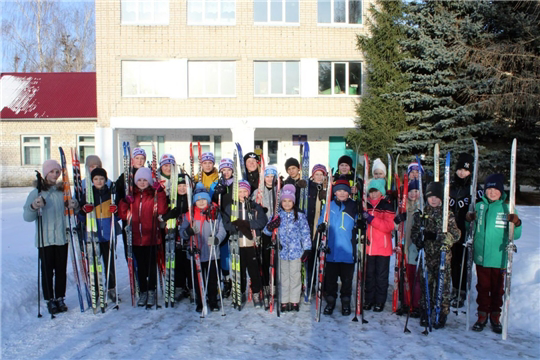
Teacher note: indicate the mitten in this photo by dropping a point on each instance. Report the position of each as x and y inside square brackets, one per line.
[88, 208]
[72, 204]
[39, 202]
[156, 185]
[301, 183]
[515, 219]
[213, 241]
[274, 223]
[305, 255]
[220, 189]
[113, 209]
[400, 218]
[321, 228]
[430, 235]
[130, 199]
[368, 217]
[470, 216]
[322, 195]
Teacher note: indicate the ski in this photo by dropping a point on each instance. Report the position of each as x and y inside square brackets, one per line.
[236, 290]
[400, 277]
[273, 259]
[191, 161]
[303, 206]
[389, 175]
[199, 149]
[155, 228]
[421, 253]
[241, 162]
[436, 162]
[128, 176]
[170, 241]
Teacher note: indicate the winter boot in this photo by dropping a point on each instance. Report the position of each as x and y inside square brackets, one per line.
[284, 308]
[346, 306]
[415, 313]
[368, 306]
[402, 310]
[378, 307]
[296, 307]
[481, 322]
[51, 306]
[151, 299]
[257, 302]
[495, 319]
[458, 304]
[112, 295]
[178, 294]
[199, 307]
[266, 293]
[289, 307]
[60, 305]
[442, 321]
[213, 306]
[143, 297]
[227, 286]
[330, 305]
[424, 319]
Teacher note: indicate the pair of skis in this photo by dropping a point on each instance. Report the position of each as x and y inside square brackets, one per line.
[170, 241]
[236, 290]
[303, 206]
[128, 184]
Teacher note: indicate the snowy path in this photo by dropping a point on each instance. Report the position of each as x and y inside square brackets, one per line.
[180, 333]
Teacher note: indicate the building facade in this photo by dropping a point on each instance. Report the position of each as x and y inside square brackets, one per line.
[268, 74]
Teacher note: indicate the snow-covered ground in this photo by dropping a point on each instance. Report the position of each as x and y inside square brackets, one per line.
[180, 333]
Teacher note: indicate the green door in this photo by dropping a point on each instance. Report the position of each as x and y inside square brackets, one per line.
[338, 148]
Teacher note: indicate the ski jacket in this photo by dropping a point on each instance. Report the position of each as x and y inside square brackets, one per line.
[257, 222]
[491, 233]
[268, 200]
[460, 198]
[165, 182]
[410, 248]
[293, 235]
[341, 237]
[209, 180]
[102, 202]
[143, 224]
[379, 231]
[316, 198]
[202, 222]
[253, 179]
[53, 219]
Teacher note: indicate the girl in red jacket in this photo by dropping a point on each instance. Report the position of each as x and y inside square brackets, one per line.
[380, 223]
[144, 231]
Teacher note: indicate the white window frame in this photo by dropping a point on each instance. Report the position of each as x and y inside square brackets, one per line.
[85, 143]
[269, 67]
[219, 84]
[333, 78]
[205, 22]
[339, 24]
[41, 145]
[164, 87]
[153, 21]
[283, 22]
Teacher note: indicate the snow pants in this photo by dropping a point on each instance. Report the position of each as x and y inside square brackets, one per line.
[104, 250]
[490, 288]
[291, 280]
[182, 270]
[53, 271]
[265, 254]
[249, 262]
[146, 266]
[345, 272]
[416, 293]
[377, 271]
[212, 286]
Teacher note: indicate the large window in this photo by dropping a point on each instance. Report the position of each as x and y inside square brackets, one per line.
[277, 78]
[211, 12]
[149, 142]
[340, 78]
[86, 145]
[212, 78]
[35, 149]
[145, 12]
[339, 11]
[276, 11]
[145, 78]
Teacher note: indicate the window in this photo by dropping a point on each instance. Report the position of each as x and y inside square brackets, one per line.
[217, 148]
[272, 152]
[145, 12]
[276, 11]
[277, 78]
[148, 143]
[212, 78]
[339, 11]
[340, 78]
[211, 12]
[86, 145]
[145, 78]
[35, 149]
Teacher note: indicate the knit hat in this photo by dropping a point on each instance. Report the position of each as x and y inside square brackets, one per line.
[201, 193]
[251, 155]
[495, 181]
[291, 162]
[144, 173]
[98, 172]
[208, 156]
[226, 163]
[243, 184]
[289, 192]
[377, 184]
[50, 165]
[414, 185]
[345, 159]
[139, 151]
[414, 166]
[465, 161]
[378, 165]
[435, 188]
[92, 160]
[341, 184]
[270, 170]
[167, 159]
[181, 178]
[319, 167]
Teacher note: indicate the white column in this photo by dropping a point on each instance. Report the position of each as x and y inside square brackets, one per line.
[107, 151]
[245, 135]
[309, 70]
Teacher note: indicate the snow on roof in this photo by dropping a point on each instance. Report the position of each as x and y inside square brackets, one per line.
[48, 95]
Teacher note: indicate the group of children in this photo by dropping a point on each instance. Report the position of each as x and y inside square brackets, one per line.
[210, 229]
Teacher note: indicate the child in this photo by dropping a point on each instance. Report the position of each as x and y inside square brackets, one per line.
[295, 248]
[341, 241]
[103, 209]
[248, 220]
[51, 242]
[490, 256]
[292, 166]
[91, 162]
[209, 172]
[434, 241]
[379, 217]
[164, 172]
[346, 170]
[316, 198]
[205, 231]
[145, 235]
[251, 162]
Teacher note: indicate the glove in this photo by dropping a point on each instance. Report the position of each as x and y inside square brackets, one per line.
[38, 203]
[301, 183]
[192, 231]
[361, 224]
[72, 204]
[113, 209]
[514, 219]
[305, 255]
[400, 218]
[130, 199]
[321, 228]
[212, 240]
[430, 235]
[445, 248]
[445, 239]
[368, 217]
[322, 195]
[274, 223]
[470, 216]
[244, 227]
[88, 208]
[419, 245]
[220, 189]
[211, 212]
[156, 185]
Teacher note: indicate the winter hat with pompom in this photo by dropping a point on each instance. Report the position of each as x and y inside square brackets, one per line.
[208, 156]
[319, 167]
[378, 165]
[201, 193]
[243, 184]
[226, 163]
[144, 173]
[50, 165]
[270, 170]
[167, 159]
[139, 151]
[93, 160]
[377, 184]
[289, 192]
